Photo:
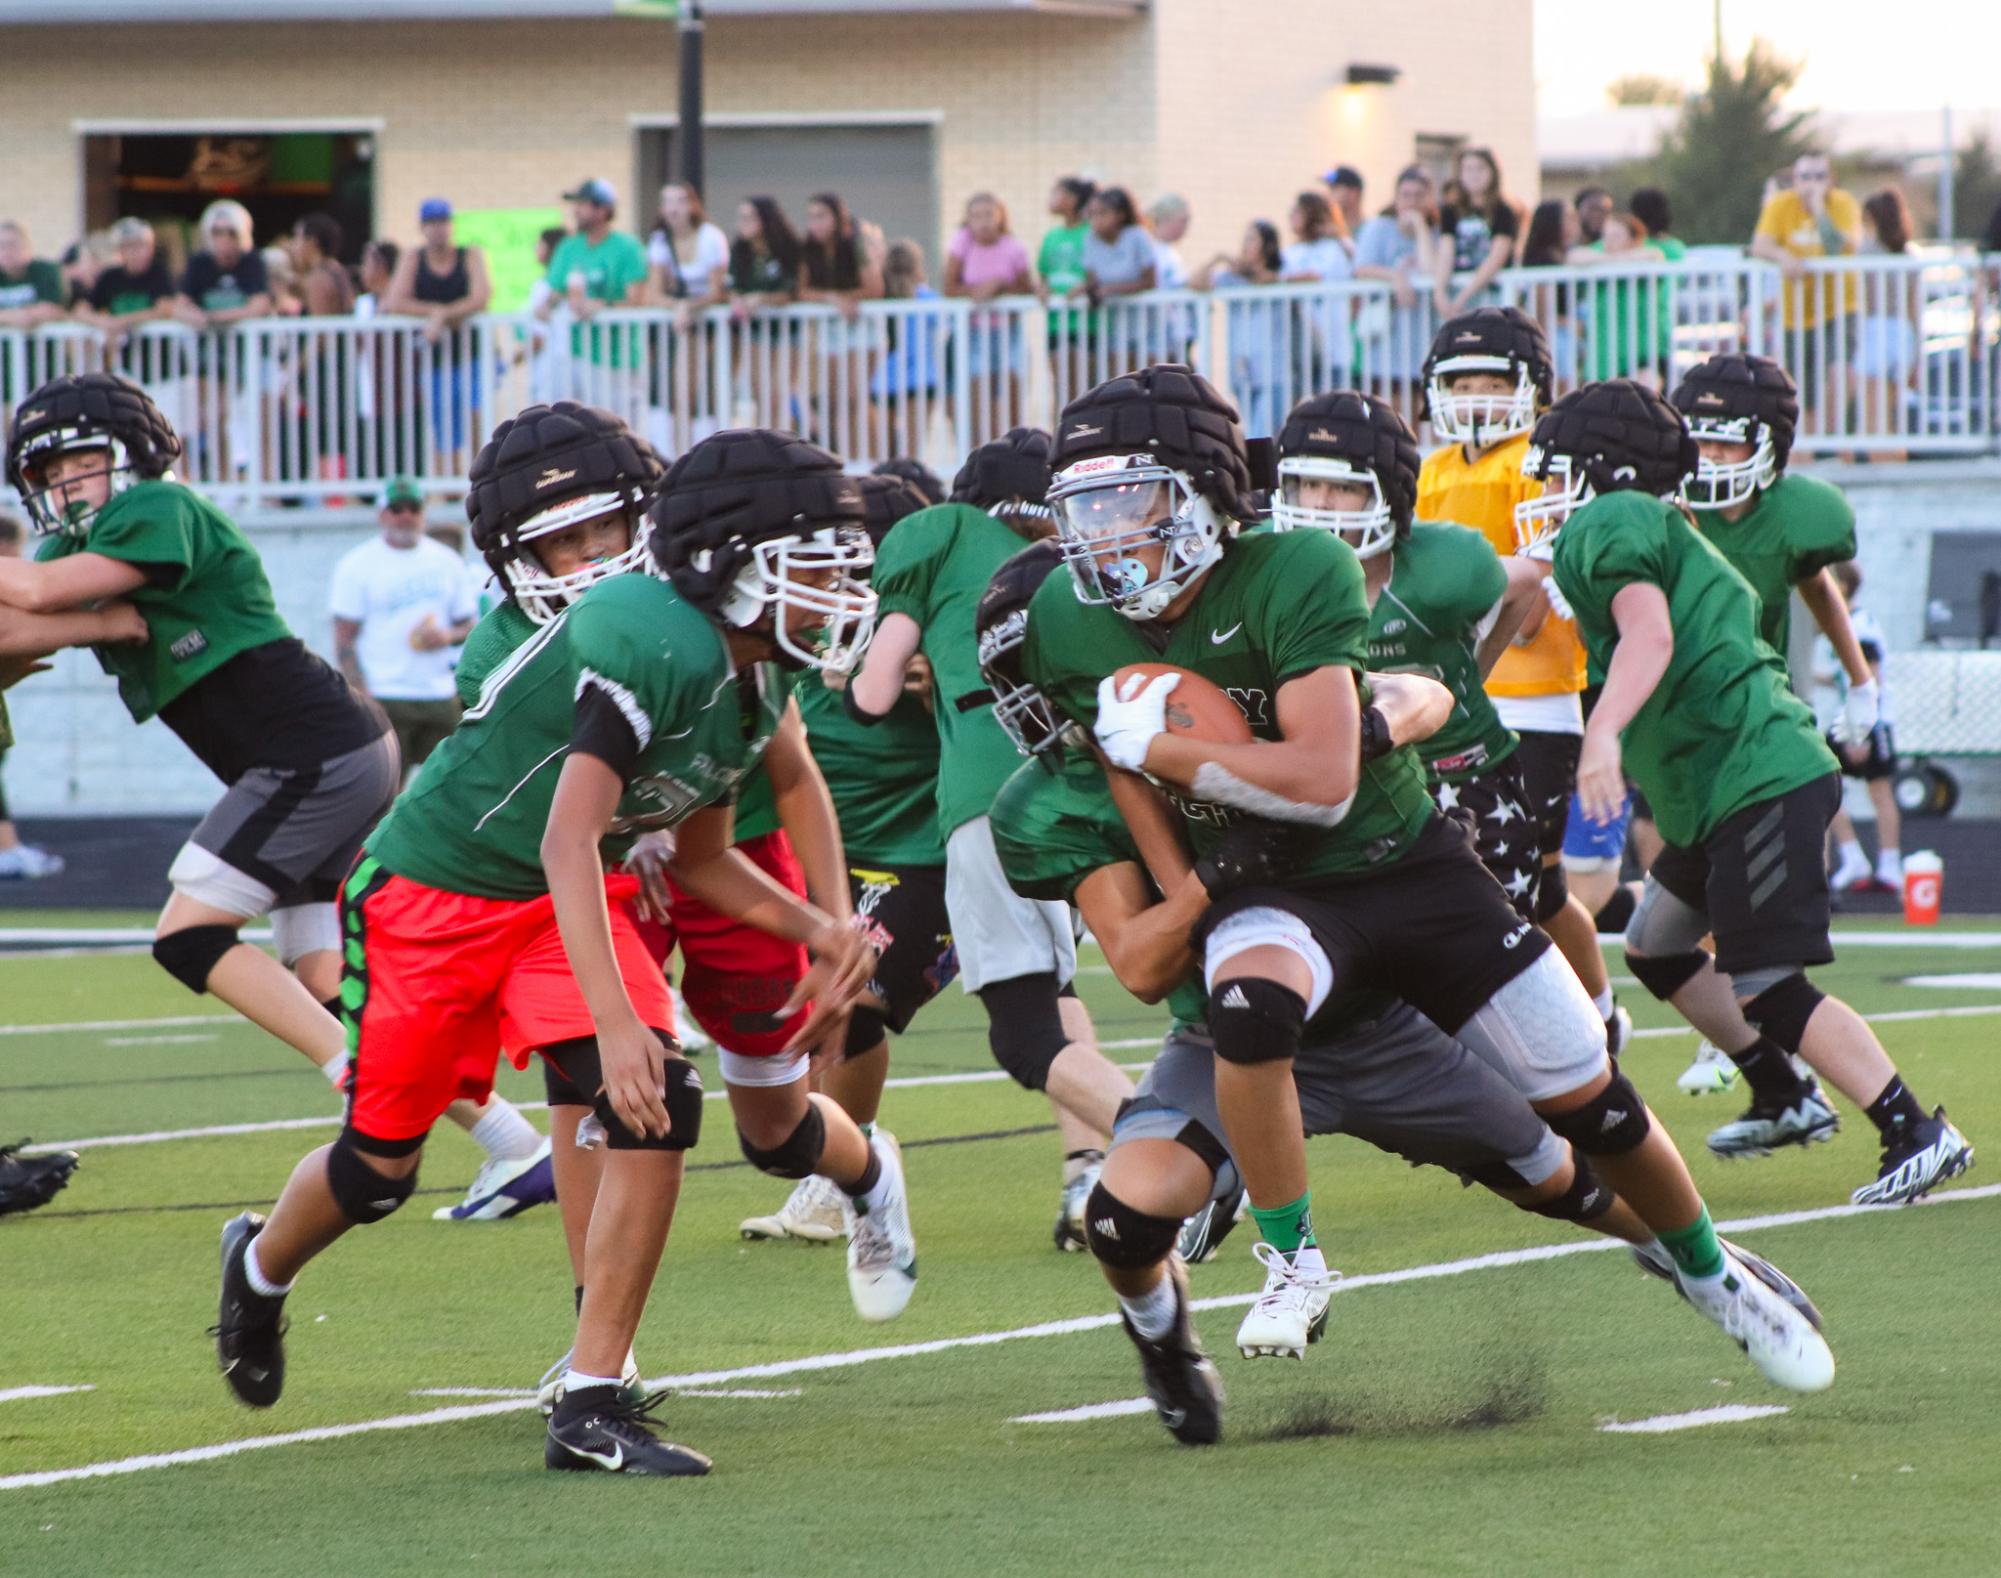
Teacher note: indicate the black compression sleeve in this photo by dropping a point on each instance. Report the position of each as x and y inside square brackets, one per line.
[601, 730]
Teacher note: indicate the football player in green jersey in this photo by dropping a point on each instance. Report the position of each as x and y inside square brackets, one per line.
[883, 781]
[1696, 708]
[1370, 1066]
[1442, 603]
[1017, 957]
[309, 766]
[1150, 482]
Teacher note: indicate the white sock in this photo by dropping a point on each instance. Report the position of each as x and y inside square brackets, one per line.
[336, 1069]
[574, 1380]
[1889, 860]
[1309, 1259]
[1602, 1001]
[254, 1274]
[1851, 854]
[1152, 1314]
[504, 1134]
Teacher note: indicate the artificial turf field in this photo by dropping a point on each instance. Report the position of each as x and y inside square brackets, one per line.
[1450, 1423]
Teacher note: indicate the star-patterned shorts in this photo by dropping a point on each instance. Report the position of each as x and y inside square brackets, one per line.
[1505, 835]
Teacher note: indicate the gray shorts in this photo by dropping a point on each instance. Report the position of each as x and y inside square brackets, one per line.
[281, 838]
[998, 934]
[1400, 1083]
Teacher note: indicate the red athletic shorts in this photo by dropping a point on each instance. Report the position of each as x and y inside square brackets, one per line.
[735, 977]
[441, 982]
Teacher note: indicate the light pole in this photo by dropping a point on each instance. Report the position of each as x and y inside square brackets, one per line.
[688, 134]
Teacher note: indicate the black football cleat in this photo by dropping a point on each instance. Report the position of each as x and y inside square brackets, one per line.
[1186, 1391]
[1203, 1233]
[30, 1181]
[598, 1430]
[249, 1331]
[1917, 1157]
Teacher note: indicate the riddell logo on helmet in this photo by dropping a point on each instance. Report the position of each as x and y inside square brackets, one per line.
[1320, 435]
[551, 477]
[1709, 397]
[1467, 337]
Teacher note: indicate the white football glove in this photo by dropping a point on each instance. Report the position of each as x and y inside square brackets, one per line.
[1128, 723]
[1861, 711]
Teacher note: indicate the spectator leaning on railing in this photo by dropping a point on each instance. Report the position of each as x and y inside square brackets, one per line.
[1814, 219]
[596, 267]
[1594, 206]
[442, 282]
[764, 258]
[689, 256]
[1482, 225]
[1344, 186]
[1397, 247]
[325, 288]
[226, 283]
[1553, 230]
[1118, 261]
[1059, 266]
[1627, 340]
[986, 259]
[81, 263]
[138, 288]
[1251, 329]
[1319, 253]
[400, 602]
[31, 288]
[1887, 335]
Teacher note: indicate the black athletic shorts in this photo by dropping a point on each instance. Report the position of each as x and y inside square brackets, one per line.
[903, 910]
[1505, 837]
[1549, 773]
[1761, 878]
[1879, 762]
[1433, 928]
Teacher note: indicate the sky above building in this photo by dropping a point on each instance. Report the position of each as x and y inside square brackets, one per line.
[1941, 51]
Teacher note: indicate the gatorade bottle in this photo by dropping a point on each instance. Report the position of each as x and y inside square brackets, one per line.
[1924, 880]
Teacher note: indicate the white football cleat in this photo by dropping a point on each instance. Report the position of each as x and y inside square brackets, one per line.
[1290, 1313]
[1778, 1338]
[1711, 1074]
[1807, 1118]
[505, 1186]
[882, 1250]
[550, 1388]
[816, 1212]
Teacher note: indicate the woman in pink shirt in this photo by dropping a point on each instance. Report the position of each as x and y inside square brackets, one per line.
[985, 260]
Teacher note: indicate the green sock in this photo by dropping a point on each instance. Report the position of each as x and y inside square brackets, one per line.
[868, 1130]
[1695, 1248]
[1289, 1228]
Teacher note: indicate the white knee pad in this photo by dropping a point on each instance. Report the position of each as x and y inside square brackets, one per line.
[1266, 927]
[760, 1072]
[206, 879]
[1663, 925]
[300, 929]
[1540, 1032]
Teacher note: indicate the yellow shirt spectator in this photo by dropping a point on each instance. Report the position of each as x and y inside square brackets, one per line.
[1789, 225]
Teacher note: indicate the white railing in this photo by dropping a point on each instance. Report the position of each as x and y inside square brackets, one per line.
[1892, 354]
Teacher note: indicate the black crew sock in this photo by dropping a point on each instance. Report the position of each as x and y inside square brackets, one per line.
[1768, 1071]
[1896, 1110]
[871, 1176]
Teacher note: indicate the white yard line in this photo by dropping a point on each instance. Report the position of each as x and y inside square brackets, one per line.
[1066, 1416]
[914, 1350]
[16, 1394]
[1728, 1413]
[529, 1391]
[89, 1026]
[162, 1041]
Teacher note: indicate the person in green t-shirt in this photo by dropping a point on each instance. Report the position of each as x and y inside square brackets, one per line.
[1151, 480]
[883, 781]
[1059, 270]
[1441, 603]
[1696, 708]
[592, 268]
[1017, 957]
[31, 288]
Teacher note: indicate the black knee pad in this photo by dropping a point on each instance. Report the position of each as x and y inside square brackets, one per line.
[798, 1154]
[867, 1030]
[1666, 974]
[363, 1194]
[1551, 894]
[1781, 1011]
[1586, 1200]
[1256, 1021]
[1025, 1027]
[1618, 910]
[1123, 1238]
[681, 1083]
[191, 954]
[1611, 1123]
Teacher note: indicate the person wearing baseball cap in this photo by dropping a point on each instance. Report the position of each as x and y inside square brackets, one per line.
[445, 284]
[595, 267]
[1345, 182]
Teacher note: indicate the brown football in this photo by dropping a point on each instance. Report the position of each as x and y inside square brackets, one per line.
[1196, 707]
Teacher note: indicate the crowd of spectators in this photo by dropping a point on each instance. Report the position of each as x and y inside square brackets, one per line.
[1854, 337]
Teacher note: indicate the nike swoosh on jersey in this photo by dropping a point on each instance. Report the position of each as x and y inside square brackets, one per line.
[1218, 637]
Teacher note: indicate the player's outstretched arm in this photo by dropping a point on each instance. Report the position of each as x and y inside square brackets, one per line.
[1307, 775]
[806, 812]
[74, 582]
[629, 1053]
[1646, 644]
[37, 635]
[876, 688]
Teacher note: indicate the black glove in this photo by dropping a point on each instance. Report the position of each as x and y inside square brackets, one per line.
[1254, 852]
[1376, 739]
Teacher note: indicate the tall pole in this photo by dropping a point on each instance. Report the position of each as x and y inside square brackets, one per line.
[688, 135]
[1716, 23]
[1945, 174]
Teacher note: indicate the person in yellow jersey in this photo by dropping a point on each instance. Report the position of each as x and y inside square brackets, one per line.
[1488, 375]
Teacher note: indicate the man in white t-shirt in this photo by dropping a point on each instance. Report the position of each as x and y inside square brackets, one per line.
[401, 603]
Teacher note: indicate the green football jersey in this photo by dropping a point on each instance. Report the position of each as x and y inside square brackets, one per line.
[1445, 582]
[933, 566]
[1722, 730]
[205, 598]
[1054, 824]
[883, 777]
[1276, 607]
[497, 634]
[756, 800]
[1793, 529]
[473, 821]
